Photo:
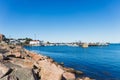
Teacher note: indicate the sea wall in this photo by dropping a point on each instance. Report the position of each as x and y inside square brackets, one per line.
[17, 63]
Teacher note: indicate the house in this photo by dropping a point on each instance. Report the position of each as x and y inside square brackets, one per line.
[14, 41]
[22, 40]
[35, 42]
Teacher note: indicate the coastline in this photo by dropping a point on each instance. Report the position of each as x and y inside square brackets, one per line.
[16, 61]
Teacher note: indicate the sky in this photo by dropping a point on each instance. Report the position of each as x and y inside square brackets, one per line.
[61, 20]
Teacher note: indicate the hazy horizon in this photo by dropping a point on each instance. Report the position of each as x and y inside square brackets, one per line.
[61, 20]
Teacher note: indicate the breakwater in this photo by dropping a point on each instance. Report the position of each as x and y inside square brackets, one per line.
[17, 63]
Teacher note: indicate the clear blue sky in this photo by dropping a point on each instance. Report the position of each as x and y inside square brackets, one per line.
[61, 20]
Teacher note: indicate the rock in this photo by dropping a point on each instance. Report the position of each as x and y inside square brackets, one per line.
[22, 74]
[84, 78]
[49, 71]
[73, 71]
[69, 70]
[25, 63]
[69, 76]
[3, 50]
[36, 57]
[4, 78]
[16, 50]
[11, 65]
[87, 78]
[1, 56]
[30, 54]
[17, 54]
[50, 60]
[78, 72]
[27, 52]
[36, 71]
[12, 77]
[11, 46]
[36, 74]
[79, 79]
[3, 70]
[21, 64]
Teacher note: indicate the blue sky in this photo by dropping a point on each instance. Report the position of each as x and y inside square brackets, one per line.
[61, 20]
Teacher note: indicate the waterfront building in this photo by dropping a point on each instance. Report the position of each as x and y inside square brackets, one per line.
[84, 45]
[35, 43]
[14, 41]
[22, 40]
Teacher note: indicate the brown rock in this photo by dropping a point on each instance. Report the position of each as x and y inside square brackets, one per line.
[78, 72]
[73, 70]
[84, 78]
[69, 70]
[25, 63]
[69, 76]
[87, 78]
[3, 70]
[1, 56]
[11, 54]
[36, 57]
[31, 54]
[49, 71]
[17, 54]
[22, 74]
[27, 52]
[11, 46]
[79, 79]
[50, 60]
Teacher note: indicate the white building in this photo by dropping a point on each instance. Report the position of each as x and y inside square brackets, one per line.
[14, 41]
[35, 42]
[22, 40]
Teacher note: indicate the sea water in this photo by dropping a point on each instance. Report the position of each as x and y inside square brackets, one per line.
[98, 62]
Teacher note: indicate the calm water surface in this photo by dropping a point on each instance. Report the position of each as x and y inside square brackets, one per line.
[101, 63]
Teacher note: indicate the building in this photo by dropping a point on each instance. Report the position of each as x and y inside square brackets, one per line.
[22, 40]
[14, 41]
[35, 43]
[85, 45]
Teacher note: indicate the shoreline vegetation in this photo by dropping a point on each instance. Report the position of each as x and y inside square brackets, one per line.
[30, 42]
[17, 63]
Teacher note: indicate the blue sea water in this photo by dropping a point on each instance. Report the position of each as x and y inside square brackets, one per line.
[100, 63]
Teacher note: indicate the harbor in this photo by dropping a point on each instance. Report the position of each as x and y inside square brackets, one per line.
[59, 40]
[97, 62]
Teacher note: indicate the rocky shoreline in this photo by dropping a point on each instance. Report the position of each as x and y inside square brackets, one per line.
[17, 63]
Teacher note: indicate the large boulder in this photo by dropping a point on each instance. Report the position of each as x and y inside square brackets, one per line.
[87, 78]
[22, 74]
[9, 54]
[68, 76]
[24, 63]
[35, 57]
[73, 71]
[16, 54]
[3, 70]
[50, 71]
